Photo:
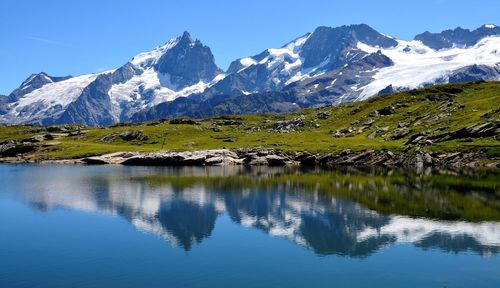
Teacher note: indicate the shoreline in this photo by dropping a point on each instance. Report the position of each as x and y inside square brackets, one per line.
[417, 160]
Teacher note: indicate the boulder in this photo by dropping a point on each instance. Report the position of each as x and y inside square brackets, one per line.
[97, 160]
[440, 97]
[386, 111]
[305, 159]
[399, 133]
[415, 138]
[275, 160]
[12, 148]
[288, 126]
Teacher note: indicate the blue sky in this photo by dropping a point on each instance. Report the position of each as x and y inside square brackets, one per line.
[77, 37]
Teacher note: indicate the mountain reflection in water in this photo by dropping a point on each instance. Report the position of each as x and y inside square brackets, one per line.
[182, 205]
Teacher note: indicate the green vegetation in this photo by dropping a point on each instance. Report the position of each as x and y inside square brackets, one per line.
[433, 110]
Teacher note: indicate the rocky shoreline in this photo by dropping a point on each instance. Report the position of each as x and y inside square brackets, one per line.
[269, 157]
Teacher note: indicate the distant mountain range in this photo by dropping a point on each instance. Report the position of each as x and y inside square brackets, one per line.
[327, 66]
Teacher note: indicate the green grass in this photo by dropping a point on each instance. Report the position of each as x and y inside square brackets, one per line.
[481, 101]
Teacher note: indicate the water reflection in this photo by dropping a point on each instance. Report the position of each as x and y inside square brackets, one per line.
[182, 205]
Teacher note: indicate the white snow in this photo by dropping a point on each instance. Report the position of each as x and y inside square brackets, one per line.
[150, 81]
[148, 58]
[49, 96]
[490, 26]
[288, 56]
[423, 65]
[246, 62]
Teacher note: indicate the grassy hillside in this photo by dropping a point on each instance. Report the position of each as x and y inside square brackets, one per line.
[384, 122]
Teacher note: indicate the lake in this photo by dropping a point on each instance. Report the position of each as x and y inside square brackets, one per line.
[117, 226]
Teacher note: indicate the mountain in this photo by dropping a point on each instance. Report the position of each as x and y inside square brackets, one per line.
[180, 67]
[458, 37]
[327, 66]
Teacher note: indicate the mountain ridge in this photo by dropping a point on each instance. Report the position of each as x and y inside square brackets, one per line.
[330, 65]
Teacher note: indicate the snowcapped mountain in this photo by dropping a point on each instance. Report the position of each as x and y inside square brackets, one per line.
[179, 68]
[327, 66]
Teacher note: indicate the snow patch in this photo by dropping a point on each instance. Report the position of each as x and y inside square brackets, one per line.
[147, 59]
[56, 94]
[416, 64]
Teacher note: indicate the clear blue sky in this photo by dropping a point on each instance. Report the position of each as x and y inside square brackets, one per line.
[77, 37]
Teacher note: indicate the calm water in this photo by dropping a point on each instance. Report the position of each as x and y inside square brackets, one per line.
[113, 226]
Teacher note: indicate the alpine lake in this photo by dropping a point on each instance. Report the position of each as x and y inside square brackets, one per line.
[120, 226]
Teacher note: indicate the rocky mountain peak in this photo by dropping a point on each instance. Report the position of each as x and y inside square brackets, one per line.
[187, 63]
[186, 36]
[326, 45]
[33, 82]
[457, 37]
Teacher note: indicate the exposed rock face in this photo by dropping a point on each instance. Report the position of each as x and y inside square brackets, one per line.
[4, 100]
[92, 108]
[208, 157]
[485, 129]
[475, 73]
[332, 43]
[457, 37]
[187, 63]
[10, 149]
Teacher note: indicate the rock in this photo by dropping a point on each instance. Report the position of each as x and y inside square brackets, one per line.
[377, 132]
[428, 161]
[369, 123]
[427, 142]
[288, 126]
[34, 139]
[77, 133]
[399, 133]
[186, 121]
[275, 160]
[194, 160]
[134, 135]
[337, 134]
[230, 122]
[345, 152]
[415, 138]
[326, 159]
[323, 115]
[440, 97]
[437, 117]
[97, 160]
[11, 148]
[258, 161]
[486, 129]
[386, 111]
[223, 161]
[253, 129]
[305, 159]
[56, 129]
[372, 135]
[51, 136]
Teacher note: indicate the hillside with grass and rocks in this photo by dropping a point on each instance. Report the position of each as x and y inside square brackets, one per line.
[449, 126]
